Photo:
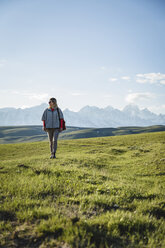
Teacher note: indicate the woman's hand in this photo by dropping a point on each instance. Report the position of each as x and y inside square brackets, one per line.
[44, 129]
[60, 129]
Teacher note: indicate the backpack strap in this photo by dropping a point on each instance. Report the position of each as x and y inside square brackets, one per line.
[58, 116]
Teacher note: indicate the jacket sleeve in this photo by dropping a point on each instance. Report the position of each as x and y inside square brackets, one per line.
[43, 116]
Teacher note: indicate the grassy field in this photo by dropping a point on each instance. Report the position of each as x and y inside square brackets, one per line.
[99, 192]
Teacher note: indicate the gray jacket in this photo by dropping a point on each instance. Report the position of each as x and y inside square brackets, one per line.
[51, 117]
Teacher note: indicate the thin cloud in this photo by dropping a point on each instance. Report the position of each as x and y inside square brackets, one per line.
[130, 90]
[108, 96]
[31, 95]
[40, 97]
[162, 82]
[134, 97]
[77, 94]
[152, 78]
[103, 68]
[125, 78]
[112, 79]
[3, 62]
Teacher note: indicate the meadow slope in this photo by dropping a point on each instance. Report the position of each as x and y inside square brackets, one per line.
[99, 192]
[21, 134]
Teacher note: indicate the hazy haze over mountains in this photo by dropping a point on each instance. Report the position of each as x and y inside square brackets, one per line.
[88, 116]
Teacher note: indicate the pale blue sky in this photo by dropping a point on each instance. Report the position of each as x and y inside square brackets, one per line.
[83, 52]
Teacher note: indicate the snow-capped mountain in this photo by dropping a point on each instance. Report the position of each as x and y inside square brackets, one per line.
[88, 116]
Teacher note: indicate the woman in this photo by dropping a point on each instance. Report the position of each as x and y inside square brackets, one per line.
[52, 124]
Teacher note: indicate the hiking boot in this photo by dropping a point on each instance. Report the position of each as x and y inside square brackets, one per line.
[54, 156]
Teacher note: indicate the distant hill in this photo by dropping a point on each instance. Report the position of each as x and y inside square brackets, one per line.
[17, 134]
[88, 116]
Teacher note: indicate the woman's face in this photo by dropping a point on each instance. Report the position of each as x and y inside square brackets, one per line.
[51, 104]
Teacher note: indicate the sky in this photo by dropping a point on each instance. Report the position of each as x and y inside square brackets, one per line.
[83, 52]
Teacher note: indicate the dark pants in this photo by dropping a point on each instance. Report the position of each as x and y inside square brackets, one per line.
[53, 136]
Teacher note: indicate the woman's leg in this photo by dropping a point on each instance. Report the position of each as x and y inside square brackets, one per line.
[56, 133]
[50, 137]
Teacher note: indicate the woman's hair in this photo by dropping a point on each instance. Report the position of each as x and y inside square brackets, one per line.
[54, 101]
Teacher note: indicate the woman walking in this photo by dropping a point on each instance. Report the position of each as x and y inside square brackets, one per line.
[53, 124]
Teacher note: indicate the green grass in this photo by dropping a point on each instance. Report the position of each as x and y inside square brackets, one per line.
[99, 192]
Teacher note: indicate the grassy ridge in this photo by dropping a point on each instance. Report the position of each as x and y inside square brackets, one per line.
[99, 192]
[17, 134]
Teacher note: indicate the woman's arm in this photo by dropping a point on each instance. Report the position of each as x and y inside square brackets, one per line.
[44, 126]
[44, 119]
[44, 123]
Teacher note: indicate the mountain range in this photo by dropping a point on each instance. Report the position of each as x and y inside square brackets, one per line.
[88, 116]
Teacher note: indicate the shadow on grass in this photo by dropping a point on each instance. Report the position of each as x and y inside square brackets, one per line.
[6, 215]
[157, 212]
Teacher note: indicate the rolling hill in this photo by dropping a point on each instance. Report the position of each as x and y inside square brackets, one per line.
[15, 134]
